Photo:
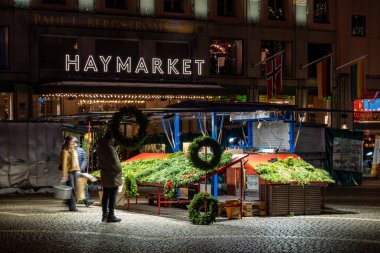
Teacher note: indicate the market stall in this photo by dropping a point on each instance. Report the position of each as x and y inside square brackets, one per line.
[185, 180]
[287, 184]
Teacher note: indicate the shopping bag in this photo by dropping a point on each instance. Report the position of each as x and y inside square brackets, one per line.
[79, 190]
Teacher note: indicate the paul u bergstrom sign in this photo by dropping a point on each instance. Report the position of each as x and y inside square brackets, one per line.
[99, 64]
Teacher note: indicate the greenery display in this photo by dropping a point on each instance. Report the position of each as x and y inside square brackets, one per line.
[172, 171]
[200, 200]
[211, 160]
[136, 140]
[292, 170]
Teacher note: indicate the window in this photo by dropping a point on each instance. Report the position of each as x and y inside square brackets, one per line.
[114, 48]
[52, 51]
[174, 50]
[86, 5]
[173, 6]
[53, 1]
[119, 4]
[316, 51]
[358, 26]
[275, 9]
[271, 47]
[320, 11]
[22, 3]
[226, 8]
[226, 57]
[6, 106]
[4, 47]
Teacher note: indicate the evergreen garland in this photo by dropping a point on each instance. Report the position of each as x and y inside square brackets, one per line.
[203, 199]
[197, 144]
[141, 120]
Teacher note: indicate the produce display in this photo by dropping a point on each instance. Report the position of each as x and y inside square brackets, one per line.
[292, 170]
[172, 171]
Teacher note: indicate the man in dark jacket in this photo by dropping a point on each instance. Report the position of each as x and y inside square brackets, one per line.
[111, 176]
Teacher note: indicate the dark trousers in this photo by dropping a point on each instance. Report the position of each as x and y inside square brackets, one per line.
[72, 176]
[109, 198]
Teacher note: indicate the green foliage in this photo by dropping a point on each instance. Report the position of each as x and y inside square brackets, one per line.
[203, 199]
[209, 162]
[175, 168]
[291, 170]
[141, 135]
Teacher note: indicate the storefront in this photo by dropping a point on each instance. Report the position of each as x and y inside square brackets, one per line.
[367, 119]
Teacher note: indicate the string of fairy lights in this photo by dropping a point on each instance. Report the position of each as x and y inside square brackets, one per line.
[93, 99]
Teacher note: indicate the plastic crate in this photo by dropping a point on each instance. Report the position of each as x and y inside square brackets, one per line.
[62, 191]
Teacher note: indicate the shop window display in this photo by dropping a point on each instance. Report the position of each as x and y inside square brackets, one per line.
[226, 57]
[5, 106]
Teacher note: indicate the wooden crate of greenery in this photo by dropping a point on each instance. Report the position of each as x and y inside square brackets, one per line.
[278, 200]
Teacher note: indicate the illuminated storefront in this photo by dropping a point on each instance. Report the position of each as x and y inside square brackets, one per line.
[367, 119]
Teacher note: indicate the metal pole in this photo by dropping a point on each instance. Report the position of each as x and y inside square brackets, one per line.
[291, 133]
[88, 145]
[177, 131]
[214, 133]
[318, 60]
[349, 63]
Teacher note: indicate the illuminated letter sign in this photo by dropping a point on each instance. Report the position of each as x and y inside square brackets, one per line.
[74, 62]
[123, 65]
[154, 66]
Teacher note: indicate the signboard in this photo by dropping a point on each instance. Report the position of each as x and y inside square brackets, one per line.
[249, 115]
[104, 64]
[347, 154]
[252, 183]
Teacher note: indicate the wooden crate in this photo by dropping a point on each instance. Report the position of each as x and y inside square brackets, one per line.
[284, 199]
[296, 199]
[278, 200]
[312, 199]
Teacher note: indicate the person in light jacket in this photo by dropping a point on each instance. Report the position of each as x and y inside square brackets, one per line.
[82, 157]
[111, 176]
[70, 169]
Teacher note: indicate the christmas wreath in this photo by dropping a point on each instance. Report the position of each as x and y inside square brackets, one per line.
[136, 140]
[197, 144]
[203, 199]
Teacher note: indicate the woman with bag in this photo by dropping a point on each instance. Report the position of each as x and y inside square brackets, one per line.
[70, 169]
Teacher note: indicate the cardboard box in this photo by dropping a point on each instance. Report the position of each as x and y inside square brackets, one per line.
[120, 198]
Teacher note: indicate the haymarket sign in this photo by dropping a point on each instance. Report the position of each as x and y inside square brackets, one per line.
[105, 64]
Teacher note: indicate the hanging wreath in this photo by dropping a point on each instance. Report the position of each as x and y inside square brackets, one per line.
[203, 199]
[197, 144]
[141, 120]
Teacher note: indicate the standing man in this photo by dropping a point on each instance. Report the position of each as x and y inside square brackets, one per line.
[110, 172]
[82, 157]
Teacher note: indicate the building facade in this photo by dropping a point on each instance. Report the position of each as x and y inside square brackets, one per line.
[62, 57]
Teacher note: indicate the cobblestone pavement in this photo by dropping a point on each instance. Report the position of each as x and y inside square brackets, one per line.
[39, 223]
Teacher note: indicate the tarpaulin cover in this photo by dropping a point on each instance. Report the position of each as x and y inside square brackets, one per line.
[29, 154]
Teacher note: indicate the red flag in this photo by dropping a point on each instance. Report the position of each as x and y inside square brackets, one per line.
[273, 68]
